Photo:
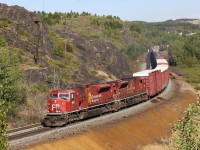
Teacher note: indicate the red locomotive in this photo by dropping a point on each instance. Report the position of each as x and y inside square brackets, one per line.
[65, 106]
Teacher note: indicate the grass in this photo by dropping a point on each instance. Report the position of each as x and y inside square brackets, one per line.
[5, 22]
[59, 46]
[64, 67]
[3, 41]
[87, 26]
[192, 75]
[40, 87]
[22, 32]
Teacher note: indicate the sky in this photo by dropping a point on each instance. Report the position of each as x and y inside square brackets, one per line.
[130, 10]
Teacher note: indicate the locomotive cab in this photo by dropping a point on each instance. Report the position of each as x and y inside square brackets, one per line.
[62, 101]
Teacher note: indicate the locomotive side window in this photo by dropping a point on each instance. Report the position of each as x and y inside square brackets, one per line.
[123, 85]
[104, 90]
[53, 95]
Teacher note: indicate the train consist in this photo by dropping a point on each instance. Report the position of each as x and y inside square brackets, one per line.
[65, 106]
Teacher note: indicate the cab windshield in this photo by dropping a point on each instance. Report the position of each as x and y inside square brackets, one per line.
[64, 96]
[61, 95]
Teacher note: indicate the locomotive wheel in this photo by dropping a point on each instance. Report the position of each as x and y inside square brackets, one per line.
[82, 115]
[116, 107]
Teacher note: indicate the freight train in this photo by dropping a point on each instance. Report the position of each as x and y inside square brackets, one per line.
[70, 105]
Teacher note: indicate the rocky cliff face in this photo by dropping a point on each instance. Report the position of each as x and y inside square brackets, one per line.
[96, 54]
[24, 30]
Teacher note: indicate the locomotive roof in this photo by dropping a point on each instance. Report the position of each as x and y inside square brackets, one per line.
[124, 82]
[104, 85]
[63, 91]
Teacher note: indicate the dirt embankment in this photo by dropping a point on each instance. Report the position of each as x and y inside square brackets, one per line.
[148, 127]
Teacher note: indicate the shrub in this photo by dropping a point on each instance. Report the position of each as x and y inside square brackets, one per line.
[69, 47]
[3, 41]
[95, 21]
[5, 22]
[185, 133]
[197, 87]
[40, 87]
[113, 24]
[59, 46]
[12, 93]
[21, 31]
[4, 108]
[136, 27]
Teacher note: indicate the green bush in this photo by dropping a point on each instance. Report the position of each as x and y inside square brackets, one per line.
[59, 64]
[5, 22]
[136, 27]
[69, 47]
[113, 24]
[11, 79]
[95, 21]
[185, 133]
[4, 108]
[191, 73]
[21, 31]
[40, 87]
[134, 50]
[59, 45]
[12, 91]
[3, 41]
[197, 87]
[185, 50]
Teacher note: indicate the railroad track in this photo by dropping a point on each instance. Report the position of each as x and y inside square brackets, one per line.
[31, 130]
[23, 128]
[26, 131]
